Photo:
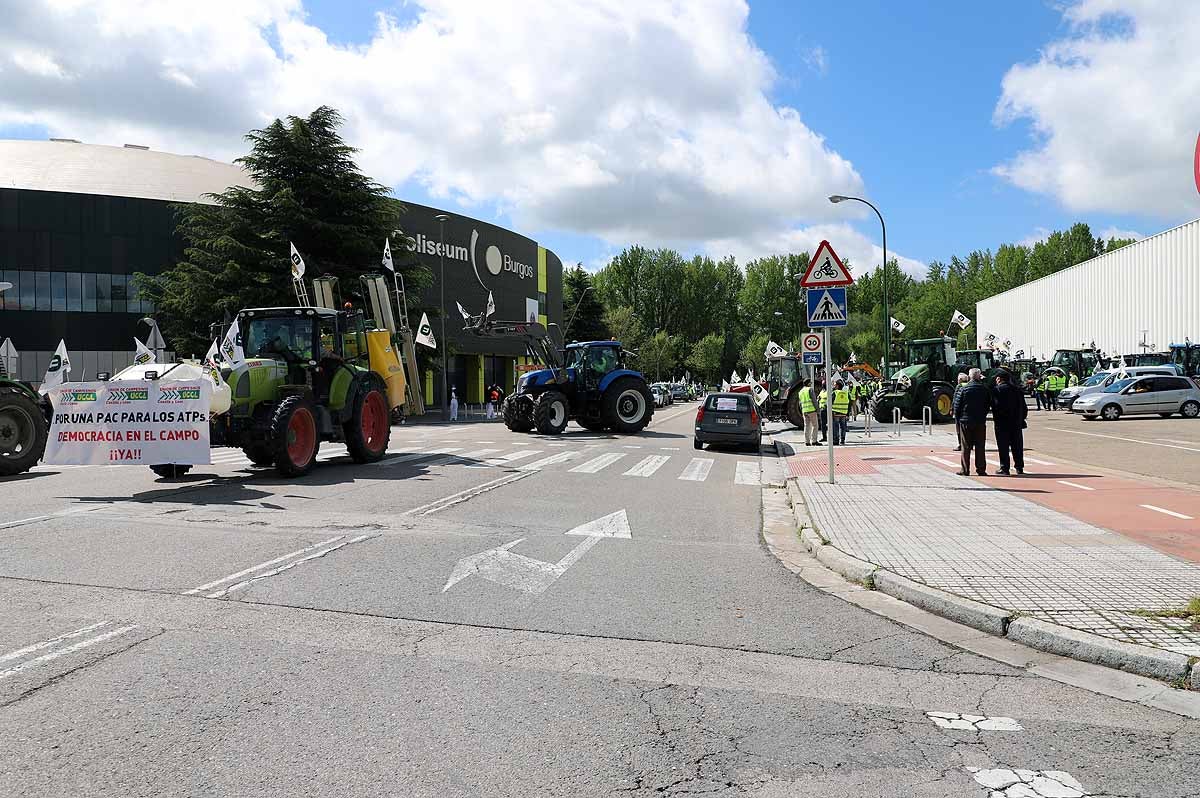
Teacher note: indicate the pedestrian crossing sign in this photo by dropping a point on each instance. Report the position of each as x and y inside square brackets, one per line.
[827, 307]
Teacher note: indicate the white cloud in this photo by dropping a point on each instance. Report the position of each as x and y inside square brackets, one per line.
[1113, 109]
[628, 121]
[863, 254]
[1116, 232]
[817, 60]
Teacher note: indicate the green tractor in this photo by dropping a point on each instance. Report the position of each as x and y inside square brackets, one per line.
[927, 381]
[306, 378]
[785, 378]
[1080, 362]
[1185, 358]
[24, 422]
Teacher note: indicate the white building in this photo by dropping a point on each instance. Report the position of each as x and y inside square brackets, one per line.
[1149, 288]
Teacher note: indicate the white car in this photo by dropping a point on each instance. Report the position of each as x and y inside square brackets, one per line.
[1098, 382]
[1140, 395]
[660, 396]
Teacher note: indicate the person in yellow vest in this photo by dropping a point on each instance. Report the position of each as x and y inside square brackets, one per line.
[808, 406]
[841, 411]
[853, 389]
[822, 403]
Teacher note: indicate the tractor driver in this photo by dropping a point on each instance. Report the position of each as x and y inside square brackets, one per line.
[604, 361]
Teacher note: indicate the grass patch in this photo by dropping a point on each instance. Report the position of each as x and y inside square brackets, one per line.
[1190, 611]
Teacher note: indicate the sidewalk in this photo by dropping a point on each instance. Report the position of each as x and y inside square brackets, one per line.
[1033, 545]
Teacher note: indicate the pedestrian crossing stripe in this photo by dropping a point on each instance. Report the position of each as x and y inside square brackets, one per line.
[648, 466]
[598, 463]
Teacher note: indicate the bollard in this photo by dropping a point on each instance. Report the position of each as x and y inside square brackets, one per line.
[896, 420]
[926, 420]
[867, 425]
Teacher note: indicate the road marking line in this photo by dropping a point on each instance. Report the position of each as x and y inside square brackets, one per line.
[288, 567]
[943, 461]
[1029, 459]
[36, 518]
[458, 458]
[697, 470]
[404, 458]
[598, 463]
[1167, 512]
[648, 465]
[682, 412]
[64, 651]
[668, 448]
[262, 565]
[1119, 438]
[538, 465]
[1175, 440]
[631, 446]
[20, 652]
[519, 454]
[747, 473]
[1075, 484]
[464, 495]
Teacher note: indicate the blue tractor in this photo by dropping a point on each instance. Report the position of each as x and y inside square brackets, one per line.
[586, 382]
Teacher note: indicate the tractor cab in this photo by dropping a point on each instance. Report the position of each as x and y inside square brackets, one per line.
[1185, 358]
[1080, 362]
[592, 361]
[983, 359]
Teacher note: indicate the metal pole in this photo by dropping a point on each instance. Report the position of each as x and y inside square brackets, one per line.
[829, 403]
[441, 219]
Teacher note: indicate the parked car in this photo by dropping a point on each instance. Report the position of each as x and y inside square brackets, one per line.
[1098, 382]
[661, 397]
[678, 392]
[666, 389]
[728, 418]
[1141, 395]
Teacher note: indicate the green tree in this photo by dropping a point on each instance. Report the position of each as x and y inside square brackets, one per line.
[308, 191]
[584, 314]
[624, 326]
[706, 356]
[753, 354]
[658, 355]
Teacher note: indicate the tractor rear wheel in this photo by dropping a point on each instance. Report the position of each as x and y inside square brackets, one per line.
[22, 432]
[551, 413]
[369, 428]
[294, 436]
[259, 453]
[170, 470]
[795, 415]
[942, 404]
[627, 405]
[518, 413]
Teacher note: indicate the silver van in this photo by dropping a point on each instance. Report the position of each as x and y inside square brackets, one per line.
[1098, 382]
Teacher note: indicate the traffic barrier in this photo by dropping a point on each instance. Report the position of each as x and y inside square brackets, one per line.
[896, 421]
[926, 420]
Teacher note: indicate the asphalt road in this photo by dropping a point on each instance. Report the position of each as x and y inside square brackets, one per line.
[486, 613]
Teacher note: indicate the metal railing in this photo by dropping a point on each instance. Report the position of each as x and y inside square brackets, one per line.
[926, 420]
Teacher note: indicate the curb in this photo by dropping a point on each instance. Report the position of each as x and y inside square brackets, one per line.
[1167, 666]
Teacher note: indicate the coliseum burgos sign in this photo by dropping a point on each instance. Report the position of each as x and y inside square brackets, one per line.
[494, 260]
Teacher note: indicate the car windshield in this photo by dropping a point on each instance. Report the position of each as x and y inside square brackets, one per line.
[288, 336]
[1095, 379]
[1119, 386]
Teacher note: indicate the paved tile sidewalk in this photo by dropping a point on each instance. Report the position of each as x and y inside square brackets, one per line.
[923, 522]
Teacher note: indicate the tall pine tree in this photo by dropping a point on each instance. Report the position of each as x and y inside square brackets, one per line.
[309, 191]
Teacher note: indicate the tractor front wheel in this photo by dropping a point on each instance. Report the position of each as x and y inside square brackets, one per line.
[551, 413]
[22, 433]
[294, 436]
[369, 428]
[795, 415]
[518, 413]
[627, 405]
[942, 404]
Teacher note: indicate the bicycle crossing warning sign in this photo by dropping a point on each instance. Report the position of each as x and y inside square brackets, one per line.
[827, 307]
[825, 269]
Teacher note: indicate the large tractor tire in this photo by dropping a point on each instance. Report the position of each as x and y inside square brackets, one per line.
[518, 415]
[551, 413]
[294, 436]
[941, 401]
[260, 454]
[23, 432]
[369, 427]
[791, 408]
[627, 405]
[170, 470]
[883, 413]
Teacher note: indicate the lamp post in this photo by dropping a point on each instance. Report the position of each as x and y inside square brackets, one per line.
[155, 342]
[887, 312]
[441, 220]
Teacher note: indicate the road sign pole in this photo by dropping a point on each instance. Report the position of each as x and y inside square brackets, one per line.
[829, 403]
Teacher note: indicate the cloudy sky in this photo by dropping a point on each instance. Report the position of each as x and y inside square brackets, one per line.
[714, 126]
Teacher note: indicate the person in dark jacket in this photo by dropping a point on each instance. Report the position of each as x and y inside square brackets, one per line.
[1008, 415]
[971, 405]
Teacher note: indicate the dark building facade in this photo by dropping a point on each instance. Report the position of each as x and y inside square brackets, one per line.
[74, 229]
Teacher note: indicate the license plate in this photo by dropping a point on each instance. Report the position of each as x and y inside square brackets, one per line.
[727, 421]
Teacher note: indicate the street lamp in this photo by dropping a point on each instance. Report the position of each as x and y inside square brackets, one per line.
[887, 312]
[441, 220]
[155, 342]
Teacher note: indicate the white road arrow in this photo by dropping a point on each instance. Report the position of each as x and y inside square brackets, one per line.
[528, 575]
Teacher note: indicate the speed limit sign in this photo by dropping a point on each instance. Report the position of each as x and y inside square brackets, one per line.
[811, 356]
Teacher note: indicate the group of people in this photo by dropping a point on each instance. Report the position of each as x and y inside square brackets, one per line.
[1049, 386]
[848, 401]
[493, 397]
[973, 399]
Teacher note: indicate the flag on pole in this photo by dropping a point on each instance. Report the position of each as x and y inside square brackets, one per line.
[387, 255]
[961, 320]
[297, 263]
[775, 350]
[59, 368]
[231, 347]
[463, 311]
[896, 325]
[143, 355]
[735, 378]
[853, 357]
[760, 393]
[491, 306]
[425, 333]
[724, 386]
[213, 356]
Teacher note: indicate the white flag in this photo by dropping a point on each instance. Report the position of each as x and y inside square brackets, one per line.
[213, 356]
[231, 347]
[735, 378]
[491, 306]
[961, 320]
[143, 355]
[387, 255]
[724, 386]
[760, 393]
[775, 350]
[297, 263]
[853, 357]
[425, 333]
[463, 311]
[59, 368]
[897, 325]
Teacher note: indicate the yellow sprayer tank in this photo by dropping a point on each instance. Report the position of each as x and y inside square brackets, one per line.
[386, 363]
